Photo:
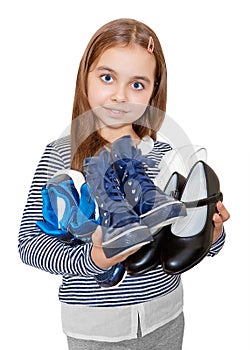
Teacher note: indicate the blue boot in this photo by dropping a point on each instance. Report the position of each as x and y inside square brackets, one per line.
[155, 208]
[121, 226]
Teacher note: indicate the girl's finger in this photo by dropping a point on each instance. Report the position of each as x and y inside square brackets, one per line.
[222, 211]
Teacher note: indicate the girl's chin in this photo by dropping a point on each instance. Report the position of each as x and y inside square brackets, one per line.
[117, 125]
[116, 121]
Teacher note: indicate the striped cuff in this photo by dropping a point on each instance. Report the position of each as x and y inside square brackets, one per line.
[218, 244]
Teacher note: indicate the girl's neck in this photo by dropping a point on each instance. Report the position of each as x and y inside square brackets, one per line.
[112, 134]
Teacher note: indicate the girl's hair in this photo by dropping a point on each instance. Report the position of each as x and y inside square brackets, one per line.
[85, 139]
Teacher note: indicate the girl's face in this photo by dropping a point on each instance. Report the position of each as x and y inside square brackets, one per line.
[120, 84]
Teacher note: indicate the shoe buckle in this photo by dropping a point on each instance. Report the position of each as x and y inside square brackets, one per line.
[174, 194]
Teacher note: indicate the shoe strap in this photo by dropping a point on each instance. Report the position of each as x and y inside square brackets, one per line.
[204, 201]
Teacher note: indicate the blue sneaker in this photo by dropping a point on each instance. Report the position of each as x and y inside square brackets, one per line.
[153, 206]
[121, 226]
[63, 208]
[68, 213]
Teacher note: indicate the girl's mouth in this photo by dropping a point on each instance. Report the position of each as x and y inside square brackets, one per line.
[116, 112]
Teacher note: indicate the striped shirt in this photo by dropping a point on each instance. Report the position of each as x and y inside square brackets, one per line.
[74, 263]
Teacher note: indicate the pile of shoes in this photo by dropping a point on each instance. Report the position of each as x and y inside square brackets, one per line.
[132, 209]
[172, 227]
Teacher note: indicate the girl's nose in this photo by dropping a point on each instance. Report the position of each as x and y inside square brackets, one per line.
[119, 93]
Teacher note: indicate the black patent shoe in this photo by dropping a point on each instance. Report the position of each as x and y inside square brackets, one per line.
[149, 256]
[146, 258]
[188, 240]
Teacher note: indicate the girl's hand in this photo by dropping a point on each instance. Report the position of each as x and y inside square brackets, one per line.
[97, 253]
[218, 219]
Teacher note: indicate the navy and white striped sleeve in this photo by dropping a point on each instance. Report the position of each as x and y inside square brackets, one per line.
[218, 244]
[40, 250]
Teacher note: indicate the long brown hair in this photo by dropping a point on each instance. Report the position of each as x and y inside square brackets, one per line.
[85, 139]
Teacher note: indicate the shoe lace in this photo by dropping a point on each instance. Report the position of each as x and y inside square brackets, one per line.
[105, 185]
[135, 169]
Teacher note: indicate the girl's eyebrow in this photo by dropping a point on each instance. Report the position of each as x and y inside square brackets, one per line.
[106, 68]
[135, 77]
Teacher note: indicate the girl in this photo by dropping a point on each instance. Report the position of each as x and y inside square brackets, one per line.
[121, 72]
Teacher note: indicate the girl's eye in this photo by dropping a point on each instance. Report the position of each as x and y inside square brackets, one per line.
[137, 86]
[107, 78]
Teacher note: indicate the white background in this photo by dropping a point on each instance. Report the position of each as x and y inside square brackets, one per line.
[206, 44]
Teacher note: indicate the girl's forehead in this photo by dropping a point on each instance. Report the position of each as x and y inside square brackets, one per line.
[130, 58]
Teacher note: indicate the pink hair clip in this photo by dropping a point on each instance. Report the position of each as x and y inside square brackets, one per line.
[151, 45]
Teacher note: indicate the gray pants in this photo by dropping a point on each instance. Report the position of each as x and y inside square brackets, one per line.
[167, 337]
